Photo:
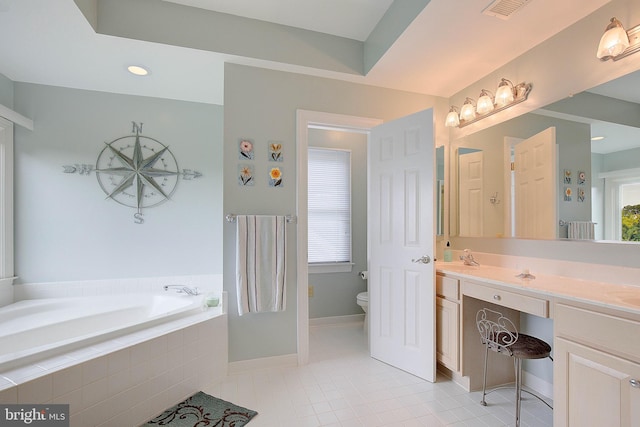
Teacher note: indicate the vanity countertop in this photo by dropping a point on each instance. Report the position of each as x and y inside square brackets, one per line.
[620, 297]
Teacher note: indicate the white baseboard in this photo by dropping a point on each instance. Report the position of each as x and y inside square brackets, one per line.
[537, 384]
[336, 320]
[283, 361]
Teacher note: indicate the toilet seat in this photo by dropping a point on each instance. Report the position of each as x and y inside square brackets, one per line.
[363, 297]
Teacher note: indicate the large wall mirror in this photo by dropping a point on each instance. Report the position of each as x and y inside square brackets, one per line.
[570, 170]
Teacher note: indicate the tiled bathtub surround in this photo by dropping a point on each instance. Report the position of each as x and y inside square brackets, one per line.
[133, 383]
[128, 379]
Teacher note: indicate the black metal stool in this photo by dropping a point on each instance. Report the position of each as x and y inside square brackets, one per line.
[499, 334]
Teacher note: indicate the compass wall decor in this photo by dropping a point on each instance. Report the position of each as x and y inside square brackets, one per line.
[136, 171]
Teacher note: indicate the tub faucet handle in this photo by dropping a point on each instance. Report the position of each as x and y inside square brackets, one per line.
[181, 289]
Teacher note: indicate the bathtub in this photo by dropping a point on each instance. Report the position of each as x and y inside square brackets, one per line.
[32, 330]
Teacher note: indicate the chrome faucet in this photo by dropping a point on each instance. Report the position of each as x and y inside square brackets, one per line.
[181, 289]
[467, 257]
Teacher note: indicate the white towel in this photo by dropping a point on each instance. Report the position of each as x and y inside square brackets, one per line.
[260, 263]
[581, 230]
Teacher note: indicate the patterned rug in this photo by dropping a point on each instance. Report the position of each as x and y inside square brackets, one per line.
[202, 410]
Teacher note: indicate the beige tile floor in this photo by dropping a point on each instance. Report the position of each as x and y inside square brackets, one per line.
[343, 387]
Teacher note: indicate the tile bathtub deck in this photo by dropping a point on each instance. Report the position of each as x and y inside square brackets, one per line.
[343, 387]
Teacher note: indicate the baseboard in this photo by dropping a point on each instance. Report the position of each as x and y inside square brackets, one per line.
[537, 384]
[286, 360]
[336, 320]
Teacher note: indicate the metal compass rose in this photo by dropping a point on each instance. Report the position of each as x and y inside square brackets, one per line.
[136, 171]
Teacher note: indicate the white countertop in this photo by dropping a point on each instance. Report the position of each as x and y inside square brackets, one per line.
[620, 297]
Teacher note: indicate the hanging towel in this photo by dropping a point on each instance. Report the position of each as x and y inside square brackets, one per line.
[260, 263]
[581, 230]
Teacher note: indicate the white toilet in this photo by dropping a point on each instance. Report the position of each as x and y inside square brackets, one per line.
[363, 301]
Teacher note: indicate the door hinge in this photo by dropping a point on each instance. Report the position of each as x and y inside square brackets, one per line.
[513, 166]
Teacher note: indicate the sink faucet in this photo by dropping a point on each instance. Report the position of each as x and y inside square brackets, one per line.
[181, 289]
[467, 257]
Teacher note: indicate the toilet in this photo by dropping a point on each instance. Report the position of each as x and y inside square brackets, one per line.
[363, 301]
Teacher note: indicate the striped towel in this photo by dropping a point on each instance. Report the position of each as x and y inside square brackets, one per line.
[260, 263]
[581, 230]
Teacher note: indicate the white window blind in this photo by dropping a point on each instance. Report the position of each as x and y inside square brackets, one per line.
[329, 206]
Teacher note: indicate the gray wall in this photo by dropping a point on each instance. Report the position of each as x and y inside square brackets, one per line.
[335, 293]
[261, 104]
[6, 91]
[65, 229]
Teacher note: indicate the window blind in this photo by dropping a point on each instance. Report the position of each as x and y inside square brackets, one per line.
[329, 205]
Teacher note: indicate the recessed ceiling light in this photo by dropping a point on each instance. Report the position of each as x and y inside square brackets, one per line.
[138, 70]
[597, 138]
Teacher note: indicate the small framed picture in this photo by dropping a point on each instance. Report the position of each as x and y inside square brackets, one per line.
[275, 177]
[246, 176]
[275, 151]
[245, 149]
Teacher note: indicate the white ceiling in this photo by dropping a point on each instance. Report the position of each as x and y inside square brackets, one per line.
[450, 45]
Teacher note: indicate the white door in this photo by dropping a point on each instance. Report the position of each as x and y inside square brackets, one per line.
[401, 244]
[471, 183]
[536, 186]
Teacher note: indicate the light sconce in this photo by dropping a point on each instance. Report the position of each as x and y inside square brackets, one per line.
[468, 110]
[506, 96]
[485, 102]
[617, 43]
[453, 118]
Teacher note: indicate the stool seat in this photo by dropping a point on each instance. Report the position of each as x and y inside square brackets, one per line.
[528, 347]
[499, 335]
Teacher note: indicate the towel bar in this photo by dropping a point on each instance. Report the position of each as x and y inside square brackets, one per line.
[291, 219]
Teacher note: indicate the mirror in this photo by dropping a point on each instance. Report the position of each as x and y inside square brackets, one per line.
[583, 188]
[440, 211]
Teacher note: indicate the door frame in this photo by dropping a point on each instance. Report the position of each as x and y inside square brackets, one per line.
[304, 120]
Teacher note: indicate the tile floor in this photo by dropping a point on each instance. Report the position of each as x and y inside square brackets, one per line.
[343, 387]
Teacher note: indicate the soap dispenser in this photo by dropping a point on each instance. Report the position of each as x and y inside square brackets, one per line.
[448, 255]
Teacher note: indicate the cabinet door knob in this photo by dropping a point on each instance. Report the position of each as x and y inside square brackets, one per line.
[634, 383]
[497, 297]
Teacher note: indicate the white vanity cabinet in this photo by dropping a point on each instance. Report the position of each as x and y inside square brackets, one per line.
[597, 368]
[448, 322]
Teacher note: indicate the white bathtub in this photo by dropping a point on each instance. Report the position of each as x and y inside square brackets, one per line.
[35, 329]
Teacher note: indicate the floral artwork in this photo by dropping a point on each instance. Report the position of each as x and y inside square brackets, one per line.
[275, 177]
[275, 151]
[567, 176]
[245, 176]
[245, 148]
[581, 194]
[567, 194]
[582, 178]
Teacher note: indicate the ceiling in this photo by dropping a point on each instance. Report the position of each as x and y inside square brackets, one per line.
[51, 42]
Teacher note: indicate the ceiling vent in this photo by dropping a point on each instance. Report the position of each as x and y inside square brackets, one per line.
[503, 9]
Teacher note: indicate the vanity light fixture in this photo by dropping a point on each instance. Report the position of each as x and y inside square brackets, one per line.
[138, 70]
[468, 110]
[453, 118]
[506, 96]
[485, 102]
[617, 43]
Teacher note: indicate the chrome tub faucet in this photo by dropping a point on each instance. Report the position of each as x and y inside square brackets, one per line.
[181, 289]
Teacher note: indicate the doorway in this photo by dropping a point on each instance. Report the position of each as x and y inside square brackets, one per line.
[304, 120]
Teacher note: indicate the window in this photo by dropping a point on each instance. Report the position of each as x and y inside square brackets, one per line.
[329, 208]
[6, 202]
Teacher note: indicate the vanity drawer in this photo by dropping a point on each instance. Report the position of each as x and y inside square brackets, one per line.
[447, 287]
[523, 303]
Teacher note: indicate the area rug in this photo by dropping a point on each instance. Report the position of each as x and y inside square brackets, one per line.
[202, 410]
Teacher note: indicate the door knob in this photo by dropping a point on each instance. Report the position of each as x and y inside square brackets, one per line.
[634, 383]
[425, 259]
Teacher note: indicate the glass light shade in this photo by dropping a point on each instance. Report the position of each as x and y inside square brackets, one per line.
[467, 112]
[504, 94]
[452, 119]
[614, 41]
[485, 103]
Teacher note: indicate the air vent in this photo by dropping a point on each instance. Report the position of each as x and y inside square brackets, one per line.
[503, 9]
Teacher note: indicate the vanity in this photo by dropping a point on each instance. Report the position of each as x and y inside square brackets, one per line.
[596, 337]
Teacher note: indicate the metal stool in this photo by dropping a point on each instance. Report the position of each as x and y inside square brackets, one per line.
[499, 334]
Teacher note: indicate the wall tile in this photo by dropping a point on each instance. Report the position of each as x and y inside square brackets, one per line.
[36, 391]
